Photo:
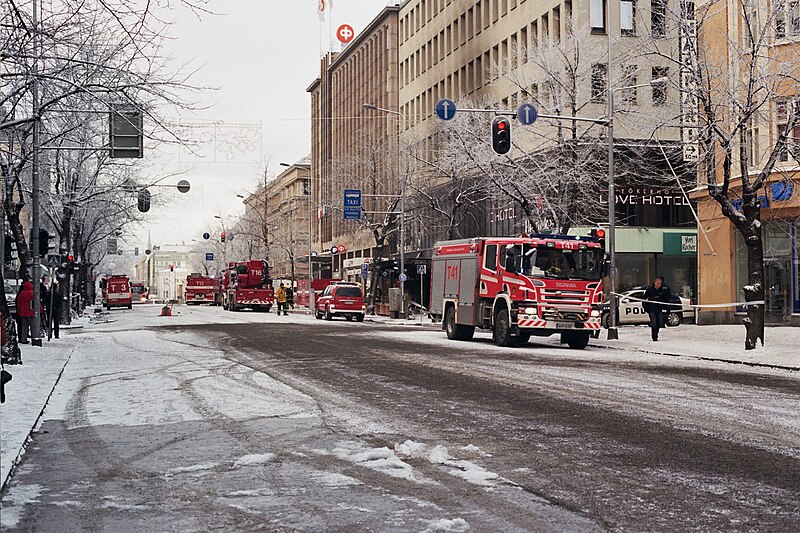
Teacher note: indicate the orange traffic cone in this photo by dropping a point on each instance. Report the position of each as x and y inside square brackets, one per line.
[166, 310]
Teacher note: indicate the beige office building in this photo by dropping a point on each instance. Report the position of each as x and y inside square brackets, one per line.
[503, 53]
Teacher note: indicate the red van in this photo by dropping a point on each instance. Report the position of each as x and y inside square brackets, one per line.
[341, 299]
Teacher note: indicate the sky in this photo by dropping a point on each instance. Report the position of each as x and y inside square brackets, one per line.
[259, 56]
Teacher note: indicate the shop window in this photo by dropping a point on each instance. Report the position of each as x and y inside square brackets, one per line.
[635, 270]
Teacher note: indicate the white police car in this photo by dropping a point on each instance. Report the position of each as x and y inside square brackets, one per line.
[631, 310]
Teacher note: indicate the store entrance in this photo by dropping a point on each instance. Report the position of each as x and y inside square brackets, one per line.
[778, 288]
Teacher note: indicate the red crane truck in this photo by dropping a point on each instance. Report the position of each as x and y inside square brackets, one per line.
[247, 284]
[201, 290]
[519, 286]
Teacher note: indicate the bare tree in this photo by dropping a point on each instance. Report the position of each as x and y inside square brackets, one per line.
[731, 82]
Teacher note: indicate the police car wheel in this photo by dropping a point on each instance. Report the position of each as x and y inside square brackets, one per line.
[605, 320]
[673, 319]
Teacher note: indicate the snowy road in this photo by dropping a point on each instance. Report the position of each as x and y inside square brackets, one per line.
[213, 420]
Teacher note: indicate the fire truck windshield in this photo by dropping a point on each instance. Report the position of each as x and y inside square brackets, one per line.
[541, 261]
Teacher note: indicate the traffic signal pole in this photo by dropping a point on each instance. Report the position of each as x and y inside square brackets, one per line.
[36, 325]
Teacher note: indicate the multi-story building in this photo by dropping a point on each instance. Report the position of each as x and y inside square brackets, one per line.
[554, 54]
[722, 251]
[284, 212]
[164, 271]
[354, 148]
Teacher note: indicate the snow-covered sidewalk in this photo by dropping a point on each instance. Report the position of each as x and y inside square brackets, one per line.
[714, 343]
[27, 395]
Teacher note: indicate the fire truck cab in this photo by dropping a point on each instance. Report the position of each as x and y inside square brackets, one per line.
[518, 287]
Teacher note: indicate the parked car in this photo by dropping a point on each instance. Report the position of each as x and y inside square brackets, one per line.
[631, 310]
[341, 298]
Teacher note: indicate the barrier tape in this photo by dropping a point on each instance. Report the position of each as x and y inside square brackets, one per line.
[693, 306]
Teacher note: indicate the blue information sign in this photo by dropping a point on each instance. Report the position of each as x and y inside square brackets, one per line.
[527, 114]
[334, 250]
[206, 235]
[352, 204]
[364, 271]
[209, 256]
[445, 109]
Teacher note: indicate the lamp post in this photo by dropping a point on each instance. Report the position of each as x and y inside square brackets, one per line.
[224, 243]
[613, 332]
[310, 226]
[373, 107]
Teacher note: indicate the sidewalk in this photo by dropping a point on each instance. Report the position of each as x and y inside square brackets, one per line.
[27, 395]
[712, 343]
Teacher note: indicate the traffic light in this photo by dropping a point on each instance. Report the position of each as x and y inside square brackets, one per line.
[172, 268]
[222, 237]
[501, 135]
[144, 201]
[600, 235]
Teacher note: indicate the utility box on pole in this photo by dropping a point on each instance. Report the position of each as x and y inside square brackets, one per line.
[126, 127]
[395, 302]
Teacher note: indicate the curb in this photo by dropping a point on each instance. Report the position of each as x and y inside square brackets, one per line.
[729, 361]
[16, 460]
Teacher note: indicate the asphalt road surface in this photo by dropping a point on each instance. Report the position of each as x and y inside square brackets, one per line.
[394, 429]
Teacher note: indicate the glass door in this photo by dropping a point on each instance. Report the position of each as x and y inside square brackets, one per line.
[778, 284]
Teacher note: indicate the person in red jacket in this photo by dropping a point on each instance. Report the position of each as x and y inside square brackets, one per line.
[25, 310]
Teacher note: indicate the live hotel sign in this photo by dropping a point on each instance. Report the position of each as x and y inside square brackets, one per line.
[648, 196]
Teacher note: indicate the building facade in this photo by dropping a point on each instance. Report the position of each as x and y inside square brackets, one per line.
[722, 252]
[352, 147]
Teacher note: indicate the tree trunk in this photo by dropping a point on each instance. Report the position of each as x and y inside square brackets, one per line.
[754, 291]
[18, 232]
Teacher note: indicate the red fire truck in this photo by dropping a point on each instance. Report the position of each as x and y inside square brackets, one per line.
[116, 291]
[247, 284]
[201, 290]
[519, 286]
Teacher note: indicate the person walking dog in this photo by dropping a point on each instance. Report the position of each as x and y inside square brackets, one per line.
[656, 297]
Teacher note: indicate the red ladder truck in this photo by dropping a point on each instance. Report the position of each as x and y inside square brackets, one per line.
[247, 284]
[519, 286]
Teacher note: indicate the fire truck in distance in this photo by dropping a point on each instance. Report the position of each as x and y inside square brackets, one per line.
[116, 291]
[201, 289]
[139, 293]
[520, 286]
[247, 284]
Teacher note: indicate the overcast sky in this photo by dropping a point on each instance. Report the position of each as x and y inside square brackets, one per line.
[261, 55]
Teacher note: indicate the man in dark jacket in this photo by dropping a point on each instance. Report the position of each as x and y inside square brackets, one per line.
[54, 308]
[656, 296]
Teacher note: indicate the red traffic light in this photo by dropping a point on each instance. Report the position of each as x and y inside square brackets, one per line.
[501, 125]
[70, 258]
[171, 268]
[600, 233]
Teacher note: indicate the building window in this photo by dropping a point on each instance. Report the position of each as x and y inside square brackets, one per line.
[659, 89]
[627, 17]
[599, 82]
[658, 18]
[780, 21]
[597, 15]
[629, 80]
[794, 18]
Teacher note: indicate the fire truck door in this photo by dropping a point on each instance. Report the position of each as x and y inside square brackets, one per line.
[466, 301]
[437, 285]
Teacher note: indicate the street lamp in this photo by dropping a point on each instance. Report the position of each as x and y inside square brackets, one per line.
[310, 226]
[613, 332]
[373, 107]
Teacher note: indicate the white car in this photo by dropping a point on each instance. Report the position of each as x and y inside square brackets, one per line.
[631, 310]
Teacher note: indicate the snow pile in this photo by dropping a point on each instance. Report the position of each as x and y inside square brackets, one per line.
[190, 469]
[439, 455]
[381, 460]
[254, 460]
[457, 525]
[333, 479]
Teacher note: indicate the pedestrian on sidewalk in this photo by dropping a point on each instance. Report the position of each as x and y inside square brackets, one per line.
[656, 297]
[25, 311]
[55, 308]
[280, 297]
[290, 297]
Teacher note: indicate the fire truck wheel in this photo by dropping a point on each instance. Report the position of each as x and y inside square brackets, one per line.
[456, 332]
[130, 306]
[502, 328]
[577, 340]
[360, 318]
